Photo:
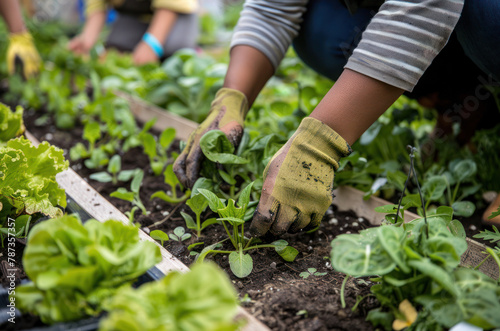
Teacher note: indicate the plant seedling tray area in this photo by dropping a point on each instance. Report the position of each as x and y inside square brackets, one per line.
[303, 295]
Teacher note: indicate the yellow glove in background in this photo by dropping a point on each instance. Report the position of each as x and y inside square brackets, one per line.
[298, 181]
[227, 114]
[21, 47]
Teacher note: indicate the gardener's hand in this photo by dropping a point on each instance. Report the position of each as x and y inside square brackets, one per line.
[22, 52]
[81, 44]
[144, 54]
[298, 181]
[227, 114]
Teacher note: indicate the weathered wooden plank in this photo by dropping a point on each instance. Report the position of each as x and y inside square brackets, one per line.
[145, 111]
[102, 210]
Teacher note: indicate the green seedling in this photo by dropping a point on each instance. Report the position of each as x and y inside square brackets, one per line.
[159, 235]
[132, 195]
[173, 182]
[241, 263]
[198, 204]
[114, 173]
[131, 214]
[311, 272]
[302, 312]
[157, 150]
[180, 234]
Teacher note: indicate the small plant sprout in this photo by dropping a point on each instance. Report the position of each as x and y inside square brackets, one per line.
[114, 173]
[157, 151]
[240, 262]
[173, 182]
[311, 272]
[198, 204]
[180, 234]
[132, 195]
[131, 214]
[302, 312]
[159, 235]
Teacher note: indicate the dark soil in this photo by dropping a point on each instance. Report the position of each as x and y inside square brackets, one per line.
[274, 292]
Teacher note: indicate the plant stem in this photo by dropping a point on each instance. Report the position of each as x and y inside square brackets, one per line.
[455, 191]
[229, 235]
[259, 246]
[248, 243]
[166, 218]
[342, 291]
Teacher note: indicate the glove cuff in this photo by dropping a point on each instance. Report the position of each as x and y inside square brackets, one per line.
[22, 37]
[325, 139]
[232, 99]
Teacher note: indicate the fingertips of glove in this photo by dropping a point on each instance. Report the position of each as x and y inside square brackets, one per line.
[300, 221]
[316, 219]
[263, 218]
[284, 218]
[193, 165]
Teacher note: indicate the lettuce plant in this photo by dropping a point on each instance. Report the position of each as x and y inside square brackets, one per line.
[28, 181]
[240, 262]
[11, 123]
[73, 267]
[201, 300]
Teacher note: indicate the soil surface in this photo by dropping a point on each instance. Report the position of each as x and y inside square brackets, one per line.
[275, 292]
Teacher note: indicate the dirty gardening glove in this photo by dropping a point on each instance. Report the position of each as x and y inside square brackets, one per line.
[227, 114]
[22, 50]
[298, 181]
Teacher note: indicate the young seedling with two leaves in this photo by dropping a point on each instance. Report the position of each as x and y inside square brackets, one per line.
[96, 157]
[311, 272]
[132, 195]
[240, 262]
[198, 203]
[157, 150]
[114, 173]
[172, 180]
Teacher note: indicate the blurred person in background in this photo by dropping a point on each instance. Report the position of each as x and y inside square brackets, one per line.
[150, 29]
[21, 52]
[375, 51]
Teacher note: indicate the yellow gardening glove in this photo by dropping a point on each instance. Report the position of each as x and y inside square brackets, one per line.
[298, 181]
[22, 50]
[227, 114]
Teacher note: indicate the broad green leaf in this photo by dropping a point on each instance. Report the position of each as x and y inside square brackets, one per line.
[170, 177]
[241, 264]
[464, 169]
[464, 208]
[122, 193]
[227, 178]
[149, 144]
[433, 189]
[167, 137]
[208, 222]
[115, 164]
[92, 132]
[391, 239]
[190, 223]
[159, 235]
[288, 253]
[244, 198]
[438, 274]
[102, 177]
[386, 209]
[213, 201]
[126, 175]
[137, 181]
[198, 203]
[217, 148]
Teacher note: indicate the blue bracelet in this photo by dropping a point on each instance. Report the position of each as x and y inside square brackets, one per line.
[152, 42]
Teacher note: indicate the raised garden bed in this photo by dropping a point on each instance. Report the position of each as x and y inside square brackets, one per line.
[277, 293]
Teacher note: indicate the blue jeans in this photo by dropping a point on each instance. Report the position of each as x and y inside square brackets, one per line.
[329, 34]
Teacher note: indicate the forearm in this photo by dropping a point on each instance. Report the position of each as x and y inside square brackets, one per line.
[11, 12]
[162, 23]
[248, 72]
[353, 103]
[93, 26]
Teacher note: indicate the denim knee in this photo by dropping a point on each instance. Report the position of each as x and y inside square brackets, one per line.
[478, 31]
[329, 34]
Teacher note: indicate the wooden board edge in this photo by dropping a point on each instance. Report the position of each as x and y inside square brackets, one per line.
[102, 210]
[349, 198]
[145, 111]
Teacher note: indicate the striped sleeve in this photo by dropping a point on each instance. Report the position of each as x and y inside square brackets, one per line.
[269, 26]
[403, 38]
